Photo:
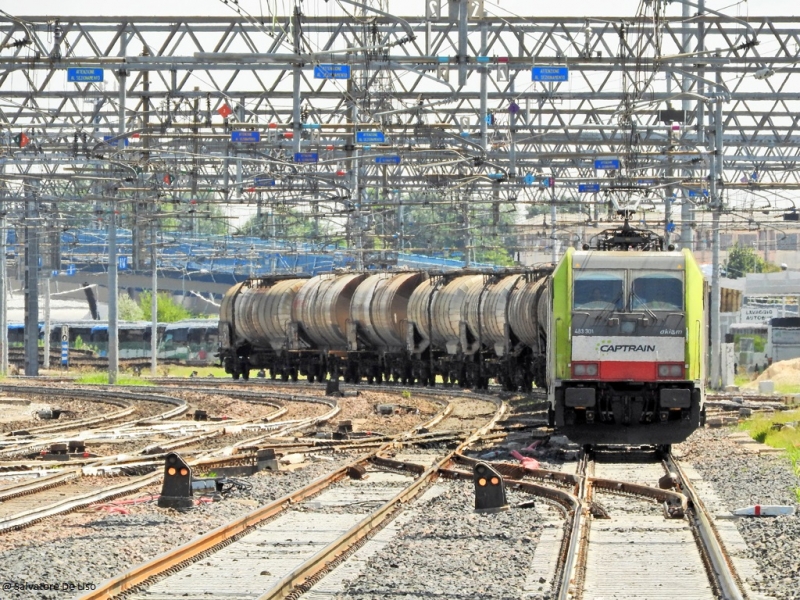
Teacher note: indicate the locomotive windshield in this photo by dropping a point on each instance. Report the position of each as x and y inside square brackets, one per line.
[599, 290]
[657, 291]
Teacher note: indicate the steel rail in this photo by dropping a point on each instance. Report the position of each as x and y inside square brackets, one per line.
[574, 542]
[23, 488]
[128, 408]
[565, 500]
[324, 559]
[32, 516]
[221, 535]
[724, 571]
[231, 531]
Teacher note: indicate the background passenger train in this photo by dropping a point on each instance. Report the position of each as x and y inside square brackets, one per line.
[195, 341]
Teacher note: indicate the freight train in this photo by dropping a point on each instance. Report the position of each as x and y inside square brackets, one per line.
[617, 335]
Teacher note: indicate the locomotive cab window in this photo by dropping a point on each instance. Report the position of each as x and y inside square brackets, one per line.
[657, 291]
[599, 291]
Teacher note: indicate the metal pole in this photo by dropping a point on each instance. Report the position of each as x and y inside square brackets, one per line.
[154, 300]
[484, 70]
[3, 292]
[716, 207]
[296, 74]
[239, 174]
[31, 339]
[113, 285]
[467, 236]
[687, 210]
[553, 217]
[463, 15]
[46, 361]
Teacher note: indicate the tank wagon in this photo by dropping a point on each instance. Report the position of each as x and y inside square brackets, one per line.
[617, 335]
[406, 326]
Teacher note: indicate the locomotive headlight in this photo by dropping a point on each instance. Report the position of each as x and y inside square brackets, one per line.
[584, 369]
[671, 370]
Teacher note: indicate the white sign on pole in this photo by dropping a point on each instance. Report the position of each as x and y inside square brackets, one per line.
[759, 314]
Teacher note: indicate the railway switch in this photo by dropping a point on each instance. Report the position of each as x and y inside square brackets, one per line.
[490, 489]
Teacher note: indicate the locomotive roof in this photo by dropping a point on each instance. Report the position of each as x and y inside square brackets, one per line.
[602, 259]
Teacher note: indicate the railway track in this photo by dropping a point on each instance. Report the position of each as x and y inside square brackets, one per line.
[576, 548]
[321, 519]
[26, 503]
[632, 539]
[38, 438]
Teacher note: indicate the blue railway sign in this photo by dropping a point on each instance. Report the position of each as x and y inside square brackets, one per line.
[370, 137]
[606, 163]
[84, 75]
[588, 188]
[248, 137]
[387, 160]
[306, 157]
[332, 72]
[107, 139]
[263, 181]
[550, 74]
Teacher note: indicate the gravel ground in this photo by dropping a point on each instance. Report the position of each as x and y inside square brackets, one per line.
[101, 542]
[17, 417]
[468, 414]
[448, 552]
[453, 553]
[741, 479]
[361, 410]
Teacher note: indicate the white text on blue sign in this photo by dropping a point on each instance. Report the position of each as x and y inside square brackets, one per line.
[250, 137]
[84, 75]
[332, 72]
[606, 163]
[370, 137]
[550, 74]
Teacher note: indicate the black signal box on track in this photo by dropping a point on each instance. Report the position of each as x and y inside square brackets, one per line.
[490, 489]
[176, 491]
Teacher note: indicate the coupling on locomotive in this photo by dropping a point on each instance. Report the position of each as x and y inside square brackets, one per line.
[616, 336]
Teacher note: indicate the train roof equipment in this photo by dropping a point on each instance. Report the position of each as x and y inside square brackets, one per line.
[628, 238]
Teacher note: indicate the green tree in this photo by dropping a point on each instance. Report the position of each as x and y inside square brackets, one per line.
[288, 224]
[448, 226]
[128, 309]
[744, 259]
[168, 311]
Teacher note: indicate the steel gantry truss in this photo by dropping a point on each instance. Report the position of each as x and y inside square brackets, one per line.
[359, 113]
[452, 93]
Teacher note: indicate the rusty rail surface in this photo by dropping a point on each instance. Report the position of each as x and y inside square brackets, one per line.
[231, 531]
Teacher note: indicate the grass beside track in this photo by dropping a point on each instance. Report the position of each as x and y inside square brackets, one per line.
[767, 429]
